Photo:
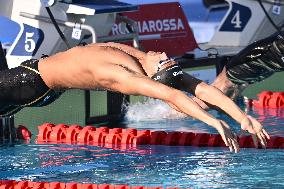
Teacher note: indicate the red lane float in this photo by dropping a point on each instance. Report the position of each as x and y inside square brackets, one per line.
[277, 100]
[23, 133]
[104, 136]
[268, 99]
[11, 184]
[44, 131]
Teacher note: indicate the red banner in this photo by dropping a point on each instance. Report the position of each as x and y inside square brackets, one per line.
[162, 27]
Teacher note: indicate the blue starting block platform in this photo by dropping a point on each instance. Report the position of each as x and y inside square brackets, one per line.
[98, 7]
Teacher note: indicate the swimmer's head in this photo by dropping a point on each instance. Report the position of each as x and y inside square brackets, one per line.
[170, 75]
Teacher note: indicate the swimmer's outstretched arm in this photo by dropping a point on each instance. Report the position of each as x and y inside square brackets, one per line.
[145, 86]
[215, 97]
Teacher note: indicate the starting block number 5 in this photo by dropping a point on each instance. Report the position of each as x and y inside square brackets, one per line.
[29, 42]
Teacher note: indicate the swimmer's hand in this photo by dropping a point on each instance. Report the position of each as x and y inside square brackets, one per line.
[151, 61]
[228, 136]
[256, 130]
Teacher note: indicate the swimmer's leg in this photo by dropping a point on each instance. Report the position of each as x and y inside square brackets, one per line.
[258, 61]
[254, 63]
[271, 46]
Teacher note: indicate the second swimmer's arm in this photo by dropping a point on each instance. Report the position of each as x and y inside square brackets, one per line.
[140, 55]
[181, 102]
[214, 97]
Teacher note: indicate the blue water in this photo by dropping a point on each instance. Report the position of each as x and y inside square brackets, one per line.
[153, 165]
[156, 115]
[146, 166]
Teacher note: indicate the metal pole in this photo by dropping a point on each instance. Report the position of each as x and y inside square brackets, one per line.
[62, 23]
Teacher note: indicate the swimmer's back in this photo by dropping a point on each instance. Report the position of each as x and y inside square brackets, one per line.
[98, 59]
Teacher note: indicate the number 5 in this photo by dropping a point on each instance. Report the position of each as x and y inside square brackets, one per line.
[29, 42]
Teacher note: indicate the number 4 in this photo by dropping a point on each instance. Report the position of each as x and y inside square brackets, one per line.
[236, 21]
[29, 42]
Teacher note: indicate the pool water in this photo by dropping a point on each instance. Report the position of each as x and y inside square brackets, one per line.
[166, 166]
[156, 115]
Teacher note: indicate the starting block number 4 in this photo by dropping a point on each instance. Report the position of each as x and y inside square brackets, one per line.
[276, 9]
[236, 21]
[237, 18]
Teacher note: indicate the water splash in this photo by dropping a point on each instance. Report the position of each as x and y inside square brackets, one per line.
[150, 110]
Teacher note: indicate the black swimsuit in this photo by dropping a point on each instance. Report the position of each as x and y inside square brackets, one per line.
[257, 61]
[23, 86]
